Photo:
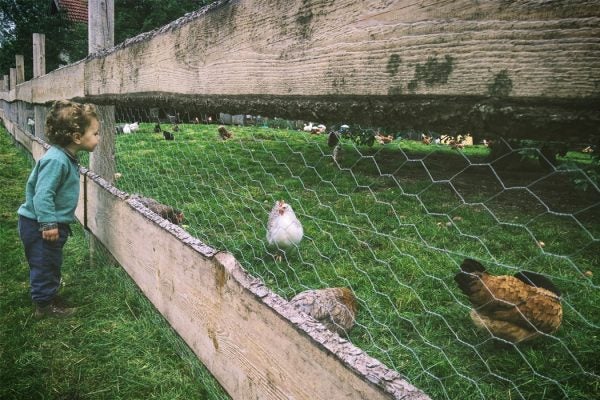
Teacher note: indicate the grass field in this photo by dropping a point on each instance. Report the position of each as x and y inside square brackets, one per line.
[117, 347]
[394, 222]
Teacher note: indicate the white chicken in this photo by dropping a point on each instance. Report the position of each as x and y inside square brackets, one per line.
[308, 127]
[134, 126]
[314, 129]
[284, 230]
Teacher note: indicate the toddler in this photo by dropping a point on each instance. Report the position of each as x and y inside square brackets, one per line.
[51, 197]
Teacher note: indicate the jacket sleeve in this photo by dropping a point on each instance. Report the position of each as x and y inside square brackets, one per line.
[50, 176]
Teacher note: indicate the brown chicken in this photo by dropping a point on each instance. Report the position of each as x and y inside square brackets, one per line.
[334, 307]
[169, 213]
[224, 133]
[456, 145]
[383, 139]
[515, 308]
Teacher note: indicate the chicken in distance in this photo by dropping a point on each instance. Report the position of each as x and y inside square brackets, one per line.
[224, 133]
[515, 308]
[284, 230]
[334, 307]
[333, 139]
[168, 135]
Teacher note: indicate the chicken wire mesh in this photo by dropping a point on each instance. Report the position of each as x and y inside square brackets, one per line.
[392, 216]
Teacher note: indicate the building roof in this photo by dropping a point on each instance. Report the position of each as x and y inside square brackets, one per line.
[77, 10]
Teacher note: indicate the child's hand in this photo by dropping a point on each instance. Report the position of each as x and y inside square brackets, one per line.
[50, 235]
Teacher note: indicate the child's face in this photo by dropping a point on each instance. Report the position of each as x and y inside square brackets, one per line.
[91, 137]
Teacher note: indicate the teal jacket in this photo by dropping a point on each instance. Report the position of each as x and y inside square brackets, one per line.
[52, 189]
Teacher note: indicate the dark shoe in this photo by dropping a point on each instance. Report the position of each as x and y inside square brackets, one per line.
[61, 302]
[52, 310]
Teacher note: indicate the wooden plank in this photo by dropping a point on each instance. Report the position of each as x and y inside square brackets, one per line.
[400, 64]
[63, 83]
[364, 48]
[24, 91]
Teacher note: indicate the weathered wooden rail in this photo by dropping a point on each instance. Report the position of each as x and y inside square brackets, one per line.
[519, 69]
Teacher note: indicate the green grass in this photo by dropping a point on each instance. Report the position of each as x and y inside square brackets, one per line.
[394, 222]
[391, 221]
[117, 347]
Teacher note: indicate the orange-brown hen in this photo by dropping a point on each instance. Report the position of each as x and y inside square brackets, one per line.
[334, 307]
[515, 308]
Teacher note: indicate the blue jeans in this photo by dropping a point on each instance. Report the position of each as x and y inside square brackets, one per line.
[44, 258]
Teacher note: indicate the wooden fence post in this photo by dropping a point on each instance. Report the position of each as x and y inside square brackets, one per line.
[13, 79]
[102, 160]
[39, 116]
[5, 85]
[39, 54]
[20, 63]
[101, 25]
[100, 36]
[39, 69]
[101, 17]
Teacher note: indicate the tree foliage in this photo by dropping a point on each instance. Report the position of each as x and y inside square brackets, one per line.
[19, 19]
[66, 41]
[133, 17]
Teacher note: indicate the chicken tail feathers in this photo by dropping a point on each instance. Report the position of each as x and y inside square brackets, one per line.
[471, 266]
[537, 280]
[470, 270]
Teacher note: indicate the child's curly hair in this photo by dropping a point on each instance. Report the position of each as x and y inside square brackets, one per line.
[67, 118]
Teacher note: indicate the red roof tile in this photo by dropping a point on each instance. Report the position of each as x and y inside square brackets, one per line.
[77, 10]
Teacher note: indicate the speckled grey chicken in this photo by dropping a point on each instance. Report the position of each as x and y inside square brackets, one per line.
[334, 307]
[515, 308]
[284, 230]
[167, 212]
